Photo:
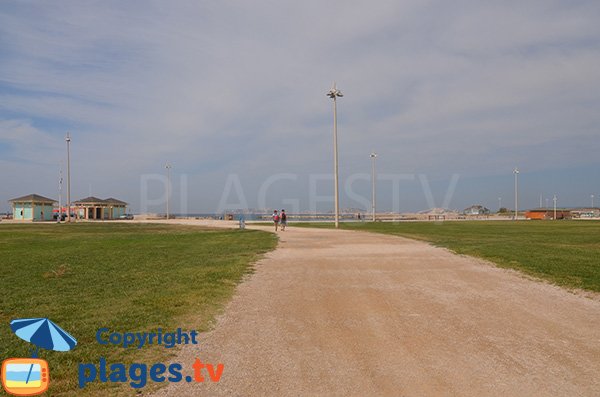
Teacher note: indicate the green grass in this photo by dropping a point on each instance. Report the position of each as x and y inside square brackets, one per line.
[127, 277]
[566, 253]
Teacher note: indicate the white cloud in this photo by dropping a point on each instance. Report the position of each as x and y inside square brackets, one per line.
[240, 87]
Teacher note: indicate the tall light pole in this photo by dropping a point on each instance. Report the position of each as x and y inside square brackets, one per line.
[499, 203]
[554, 199]
[516, 172]
[168, 167]
[68, 140]
[334, 93]
[592, 197]
[373, 157]
[60, 193]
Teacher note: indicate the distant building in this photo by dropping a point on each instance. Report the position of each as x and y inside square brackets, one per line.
[32, 207]
[547, 213]
[437, 214]
[476, 210]
[582, 213]
[99, 209]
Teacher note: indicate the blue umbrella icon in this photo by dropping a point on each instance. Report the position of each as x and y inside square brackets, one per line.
[43, 333]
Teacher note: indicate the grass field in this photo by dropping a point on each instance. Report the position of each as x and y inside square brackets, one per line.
[127, 277]
[564, 252]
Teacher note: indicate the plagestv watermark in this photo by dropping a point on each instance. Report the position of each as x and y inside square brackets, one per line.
[234, 196]
[138, 374]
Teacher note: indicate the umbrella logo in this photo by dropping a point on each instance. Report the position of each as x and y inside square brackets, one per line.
[31, 376]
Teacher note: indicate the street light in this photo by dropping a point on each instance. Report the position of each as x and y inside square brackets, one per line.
[68, 140]
[499, 203]
[592, 197]
[60, 180]
[373, 157]
[334, 93]
[554, 199]
[516, 172]
[168, 167]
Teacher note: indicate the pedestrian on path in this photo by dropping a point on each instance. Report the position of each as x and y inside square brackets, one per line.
[276, 219]
[283, 220]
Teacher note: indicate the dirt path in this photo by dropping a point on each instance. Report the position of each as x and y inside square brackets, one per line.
[357, 314]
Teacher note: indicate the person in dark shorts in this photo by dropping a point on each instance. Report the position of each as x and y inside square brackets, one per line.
[283, 220]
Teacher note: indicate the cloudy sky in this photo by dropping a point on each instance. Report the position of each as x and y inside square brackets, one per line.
[232, 94]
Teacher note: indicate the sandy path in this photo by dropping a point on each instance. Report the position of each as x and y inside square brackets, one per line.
[355, 314]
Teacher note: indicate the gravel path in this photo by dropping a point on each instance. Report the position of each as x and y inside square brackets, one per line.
[342, 313]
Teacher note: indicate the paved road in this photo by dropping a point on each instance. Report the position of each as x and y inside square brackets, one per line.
[341, 313]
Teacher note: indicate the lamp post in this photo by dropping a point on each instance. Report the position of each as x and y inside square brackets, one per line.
[592, 197]
[168, 167]
[499, 203]
[68, 140]
[334, 93]
[516, 172]
[373, 157]
[59, 219]
[554, 199]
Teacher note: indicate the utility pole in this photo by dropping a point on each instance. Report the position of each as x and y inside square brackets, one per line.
[68, 139]
[373, 157]
[516, 172]
[59, 219]
[168, 167]
[334, 93]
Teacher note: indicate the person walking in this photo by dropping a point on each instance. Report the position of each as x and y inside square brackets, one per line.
[276, 219]
[283, 220]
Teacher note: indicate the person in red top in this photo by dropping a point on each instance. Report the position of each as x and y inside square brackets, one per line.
[275, 219]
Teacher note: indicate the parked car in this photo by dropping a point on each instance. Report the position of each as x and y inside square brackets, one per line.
[126, 216]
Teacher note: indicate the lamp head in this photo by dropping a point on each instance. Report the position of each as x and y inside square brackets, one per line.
[334, 92]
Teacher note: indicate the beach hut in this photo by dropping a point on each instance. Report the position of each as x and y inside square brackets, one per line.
[32, 207]
[99, 209]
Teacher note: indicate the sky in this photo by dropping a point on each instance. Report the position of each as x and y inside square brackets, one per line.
[451, 95]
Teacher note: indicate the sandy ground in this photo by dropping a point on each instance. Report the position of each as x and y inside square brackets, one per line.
[341, 313]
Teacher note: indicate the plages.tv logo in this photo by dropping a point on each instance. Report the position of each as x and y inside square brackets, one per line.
[31, 376]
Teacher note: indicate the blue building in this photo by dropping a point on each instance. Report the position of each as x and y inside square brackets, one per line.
[32, 207]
